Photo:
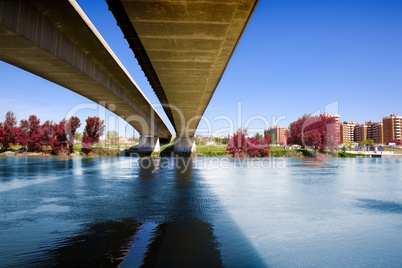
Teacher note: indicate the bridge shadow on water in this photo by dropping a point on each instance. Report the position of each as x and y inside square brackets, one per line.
[172, 195]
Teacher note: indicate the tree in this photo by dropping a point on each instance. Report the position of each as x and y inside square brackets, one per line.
[397, 142]
[21, 134]
[257, 136]
[240, 145]
[237, 145]
[59, 140]
[93, 130]
[11, 120]
[256, 148]
[72, 125]
[319, 132]
[368, 142]
[34, 141]
[47, 132]
[8, 133]
[78, 136]
[2, 136]
[112, 137]
[295, 131]
[312, 138]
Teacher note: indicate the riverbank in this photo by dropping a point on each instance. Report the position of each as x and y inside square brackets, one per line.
[201, 151]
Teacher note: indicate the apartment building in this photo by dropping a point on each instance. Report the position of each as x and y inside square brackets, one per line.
[278, 134]
[360, 132]
[347, 132]
[375, 132]
[392, 127]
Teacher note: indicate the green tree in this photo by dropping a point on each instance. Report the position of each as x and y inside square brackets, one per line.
[78, 136]
[368, 142]
[112, 137]
[257, 136]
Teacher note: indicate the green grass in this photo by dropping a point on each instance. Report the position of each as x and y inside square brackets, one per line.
[212, 150]
[344, 154]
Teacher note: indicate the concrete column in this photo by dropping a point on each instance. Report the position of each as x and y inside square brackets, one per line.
[149, 144]
[184, 145]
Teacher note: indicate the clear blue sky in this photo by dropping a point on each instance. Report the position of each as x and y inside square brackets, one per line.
[295, 57]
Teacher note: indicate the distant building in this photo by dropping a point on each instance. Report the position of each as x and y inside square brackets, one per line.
[278, 134]
[347, 132]
[336, 116]
[360, 132]
[392, 127]
[375, 132]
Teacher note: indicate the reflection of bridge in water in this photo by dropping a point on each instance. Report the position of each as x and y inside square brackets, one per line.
[182, 212]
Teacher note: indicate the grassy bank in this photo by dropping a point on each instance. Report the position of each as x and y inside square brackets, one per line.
[167, 150]
[96, 151]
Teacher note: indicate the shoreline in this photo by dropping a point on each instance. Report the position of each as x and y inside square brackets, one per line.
[102, 152]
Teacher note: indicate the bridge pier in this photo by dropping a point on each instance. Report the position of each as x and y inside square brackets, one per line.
[184, 145]
[149, 144]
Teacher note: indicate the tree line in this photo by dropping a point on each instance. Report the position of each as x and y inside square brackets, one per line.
[317, 132]
[241, 145]
[31, 135]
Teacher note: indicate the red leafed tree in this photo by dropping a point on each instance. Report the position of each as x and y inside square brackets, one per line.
[256, 148]
[295, 129]
[2, 135]
[238, 144]
[253, 147]
[34, 141]
[47, 132]
[319, 132]
[9, 130]
[21, 134]
[72, 125]
[266, 143]
[397, 142]
[59, 140]
[312, 138]
[92, 132]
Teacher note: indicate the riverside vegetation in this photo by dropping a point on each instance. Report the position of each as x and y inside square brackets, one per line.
[52, 138]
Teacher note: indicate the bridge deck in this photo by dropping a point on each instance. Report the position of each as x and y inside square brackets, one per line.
[57, 41]
[184, 48]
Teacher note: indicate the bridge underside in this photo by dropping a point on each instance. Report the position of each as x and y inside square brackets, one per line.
[55, 40]
[184, 48]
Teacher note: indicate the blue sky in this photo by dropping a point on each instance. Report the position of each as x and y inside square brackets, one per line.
[296, 57]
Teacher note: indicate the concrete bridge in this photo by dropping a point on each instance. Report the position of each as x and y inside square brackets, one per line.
[57, 41]
[183, 48]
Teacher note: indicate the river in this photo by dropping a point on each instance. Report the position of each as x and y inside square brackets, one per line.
[200, 212]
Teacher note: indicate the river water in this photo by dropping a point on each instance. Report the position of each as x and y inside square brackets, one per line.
[200, 212]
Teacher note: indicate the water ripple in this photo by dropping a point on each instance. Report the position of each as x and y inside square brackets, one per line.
[381, 206]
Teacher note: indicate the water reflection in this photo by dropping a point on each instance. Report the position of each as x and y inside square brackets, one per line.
[381, 206]
[176, 212]
[188, 243]
[101, 244]
[185, 238]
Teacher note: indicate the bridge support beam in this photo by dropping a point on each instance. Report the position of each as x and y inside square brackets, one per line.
[184, 145]
[149, 144]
